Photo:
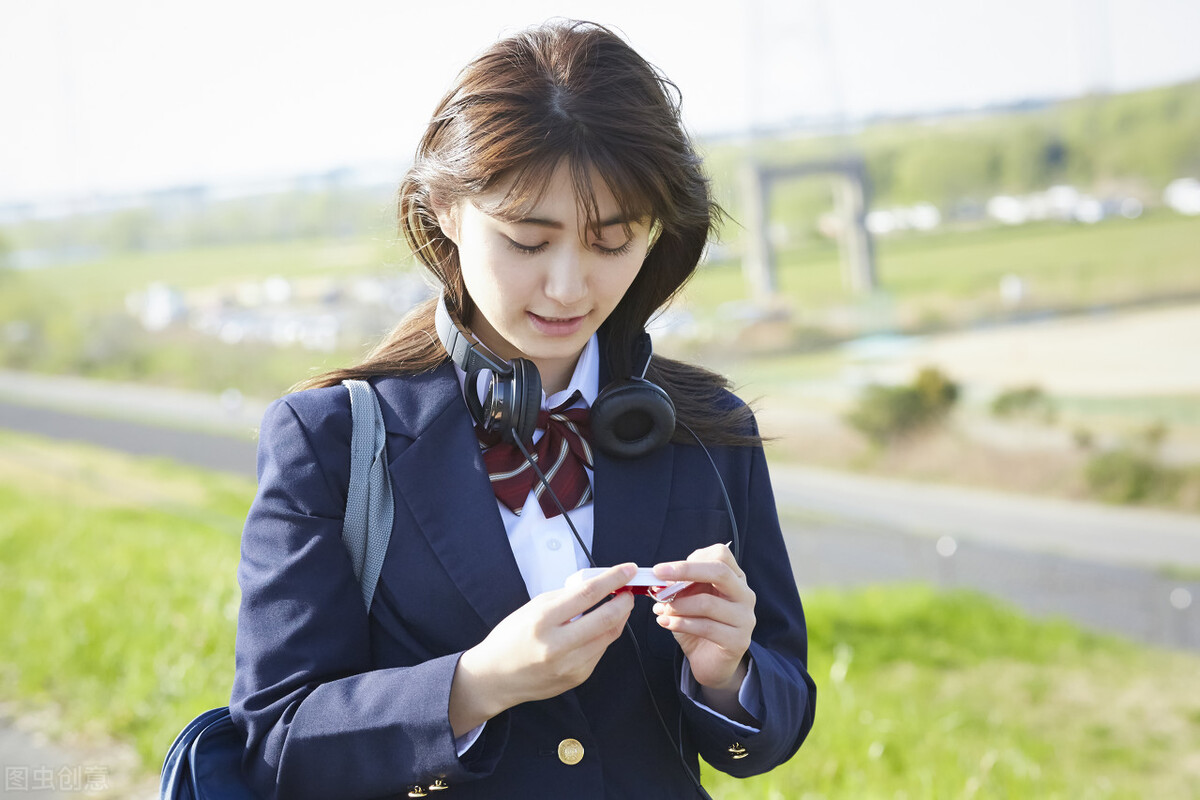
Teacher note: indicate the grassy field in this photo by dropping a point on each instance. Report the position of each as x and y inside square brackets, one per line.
[953, 277]
[117, 576]
[97, 286]
[72, 319]
[1067, 263]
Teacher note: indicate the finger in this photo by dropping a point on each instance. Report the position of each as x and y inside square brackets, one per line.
[716, 553]
[728, 579]
[602, 626]
[571, 601]
[734, 624]
[709, 606]
[733, 639]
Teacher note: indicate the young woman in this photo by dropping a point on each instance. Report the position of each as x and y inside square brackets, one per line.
[558, 203]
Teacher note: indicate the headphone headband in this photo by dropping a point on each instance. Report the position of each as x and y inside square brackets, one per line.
[643, 351]
[465, 350]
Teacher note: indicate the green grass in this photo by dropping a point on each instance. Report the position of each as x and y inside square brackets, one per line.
[117, 579]
[1066, 266]
[930, 694]
[1170, 409]
[117, 576]
[97, 286]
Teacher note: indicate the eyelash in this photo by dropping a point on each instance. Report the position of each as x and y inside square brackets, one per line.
[617, 251]
[531, 251]
[526, 249]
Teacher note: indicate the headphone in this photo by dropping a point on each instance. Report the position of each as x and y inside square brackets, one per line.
[629, 418]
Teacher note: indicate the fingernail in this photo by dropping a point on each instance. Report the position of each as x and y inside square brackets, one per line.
[665, 571]
[659, 608]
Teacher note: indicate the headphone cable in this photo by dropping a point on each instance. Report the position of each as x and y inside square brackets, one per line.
[737, 539]
[677, 746]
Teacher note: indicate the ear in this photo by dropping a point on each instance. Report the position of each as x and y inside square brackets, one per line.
[447, 217]
[656, 229]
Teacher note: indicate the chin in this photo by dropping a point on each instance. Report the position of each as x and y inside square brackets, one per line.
[557, 350]
[535, 347]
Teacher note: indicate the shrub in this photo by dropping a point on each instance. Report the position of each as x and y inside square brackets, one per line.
[938, 393]
[1128, 475]
[1026, 401]
[885, 413]
[1084, 439]
[1153, 435]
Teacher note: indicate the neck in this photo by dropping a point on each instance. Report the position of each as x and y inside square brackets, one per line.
[556, 373]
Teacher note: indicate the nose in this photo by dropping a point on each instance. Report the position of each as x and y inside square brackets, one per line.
[566, 278]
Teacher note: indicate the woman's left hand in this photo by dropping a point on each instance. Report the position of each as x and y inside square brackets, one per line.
[713, 619]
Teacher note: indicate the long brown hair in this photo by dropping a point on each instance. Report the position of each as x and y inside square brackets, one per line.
[571, 91]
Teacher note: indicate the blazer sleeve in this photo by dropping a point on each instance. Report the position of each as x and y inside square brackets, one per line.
[779, 645]
[319, 720]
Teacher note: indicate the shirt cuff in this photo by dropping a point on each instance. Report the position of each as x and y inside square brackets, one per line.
[465, 742]
[749, 695]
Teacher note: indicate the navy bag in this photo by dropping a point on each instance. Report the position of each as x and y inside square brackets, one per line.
[205, 760]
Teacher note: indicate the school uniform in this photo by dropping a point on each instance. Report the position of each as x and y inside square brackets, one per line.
[339, 703]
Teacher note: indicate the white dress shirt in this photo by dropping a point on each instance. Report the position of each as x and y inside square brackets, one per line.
[547, 553]
[545, 549]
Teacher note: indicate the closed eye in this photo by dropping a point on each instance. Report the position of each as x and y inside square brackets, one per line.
[615, 251]
[526, 248]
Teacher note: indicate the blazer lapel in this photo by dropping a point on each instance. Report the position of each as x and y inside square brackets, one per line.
[441, 480]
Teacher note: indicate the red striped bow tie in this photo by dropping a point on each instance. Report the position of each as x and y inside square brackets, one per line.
[562, 454]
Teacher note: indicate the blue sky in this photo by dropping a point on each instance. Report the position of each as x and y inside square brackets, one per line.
[125, 95]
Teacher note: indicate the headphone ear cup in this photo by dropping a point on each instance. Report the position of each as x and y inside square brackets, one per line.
[525, 400]
[632, 418]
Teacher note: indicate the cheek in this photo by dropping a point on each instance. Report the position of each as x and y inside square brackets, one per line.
[483, 269]
[619, 279]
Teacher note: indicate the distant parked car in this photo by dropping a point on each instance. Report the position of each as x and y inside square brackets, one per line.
[1183, 195]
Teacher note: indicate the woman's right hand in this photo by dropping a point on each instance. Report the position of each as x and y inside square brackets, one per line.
[540, 650]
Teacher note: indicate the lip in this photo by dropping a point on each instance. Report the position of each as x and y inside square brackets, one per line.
[556, 326]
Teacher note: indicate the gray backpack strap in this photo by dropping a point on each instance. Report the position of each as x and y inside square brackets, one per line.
[369, 511]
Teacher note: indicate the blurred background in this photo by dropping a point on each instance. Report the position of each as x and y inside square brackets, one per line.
[960, 280]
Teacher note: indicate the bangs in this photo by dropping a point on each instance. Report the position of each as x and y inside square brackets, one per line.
[527, 184]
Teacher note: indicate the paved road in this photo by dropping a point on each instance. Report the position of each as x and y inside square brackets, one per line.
[1088, 531]
[226, 452]
[1143, 605]
[218, 412]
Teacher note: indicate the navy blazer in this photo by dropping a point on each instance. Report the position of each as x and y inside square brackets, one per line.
[338, 703]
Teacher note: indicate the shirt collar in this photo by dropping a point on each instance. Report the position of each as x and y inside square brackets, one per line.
[585, 378]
